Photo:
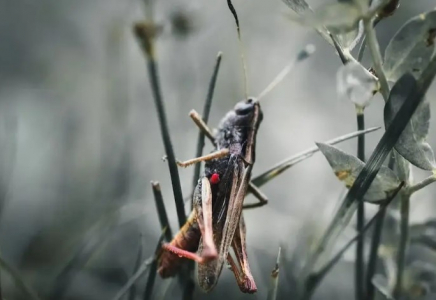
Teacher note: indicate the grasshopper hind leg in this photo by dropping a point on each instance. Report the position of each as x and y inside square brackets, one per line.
[203, 207]
[241, 269]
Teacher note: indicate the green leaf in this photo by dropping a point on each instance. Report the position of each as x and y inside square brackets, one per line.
[347, 167]
[350, 39]
[299, 6]
[347, 40]
[412, 144]
[289, 162]
[336, 17]
[381, 284]
[411, 48]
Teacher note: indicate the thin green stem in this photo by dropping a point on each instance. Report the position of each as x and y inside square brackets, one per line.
[161, 211]
[205, 117]
[373, 253]
[403, 245]
[363, 43]
[282, 166]
[174, 171]
[420, 185]
[362, 48]
[376, 57]
[359, 271]
[148, 292]
[132, 292]
[272, 291]
[145, 32]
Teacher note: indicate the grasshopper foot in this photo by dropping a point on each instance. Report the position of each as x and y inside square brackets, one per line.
[247, 285]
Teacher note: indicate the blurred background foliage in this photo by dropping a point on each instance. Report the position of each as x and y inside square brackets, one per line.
[80, 142]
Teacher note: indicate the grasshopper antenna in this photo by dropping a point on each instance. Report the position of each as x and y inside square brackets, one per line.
[241, 48]
[302, 55]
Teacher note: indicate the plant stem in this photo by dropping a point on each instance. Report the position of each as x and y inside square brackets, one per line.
[373, 254]
[274, 284]
[205, 117]
[315, 278]
[420, 185]
[282, 166]
[361, 49]
[132, 292]
[161, 211]
[361, 138]
[145, 33]
[148, 292]
[359, 271]
[376, 57]
[403, 245]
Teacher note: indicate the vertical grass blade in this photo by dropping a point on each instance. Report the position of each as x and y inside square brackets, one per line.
[359, 270]
[289, 162]
[404, 243]
[148, 292]
[206, 112]
[373, 254]
[145, 33]
[161, 211]
[272, 292]
[132, 292]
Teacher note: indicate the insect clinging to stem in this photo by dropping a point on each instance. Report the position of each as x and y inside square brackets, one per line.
[216, 222]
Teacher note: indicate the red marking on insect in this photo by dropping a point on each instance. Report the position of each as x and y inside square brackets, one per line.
[215, 178]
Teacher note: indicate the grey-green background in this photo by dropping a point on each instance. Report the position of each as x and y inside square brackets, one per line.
[80, 141]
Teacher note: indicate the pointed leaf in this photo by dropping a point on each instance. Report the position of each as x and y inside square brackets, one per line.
[347, 40]
[287, 163]
[350, 39]
[411, 48]
[299, 6]
[355, 83]
[336, 17]
[347, 167]
[381, 284]
[412, 144]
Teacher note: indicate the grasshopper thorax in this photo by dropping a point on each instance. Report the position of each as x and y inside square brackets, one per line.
[235, 127]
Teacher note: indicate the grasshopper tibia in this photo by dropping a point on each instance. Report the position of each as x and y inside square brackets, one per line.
[210, 156]
[242, 269]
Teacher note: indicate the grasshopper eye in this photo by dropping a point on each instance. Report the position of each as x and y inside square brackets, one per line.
[215, 178]
[244, 107]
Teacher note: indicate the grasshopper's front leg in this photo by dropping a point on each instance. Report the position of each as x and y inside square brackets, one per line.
[203, 214]
[210, 156]
[242, 268]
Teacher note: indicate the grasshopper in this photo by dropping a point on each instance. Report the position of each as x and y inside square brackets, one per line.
[216, 222]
